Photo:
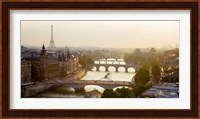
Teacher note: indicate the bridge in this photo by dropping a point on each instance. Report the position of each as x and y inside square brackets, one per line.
[76, 84]
[117, 66]
[82, 83]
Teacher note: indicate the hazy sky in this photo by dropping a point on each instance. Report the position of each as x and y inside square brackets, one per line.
[108, 34]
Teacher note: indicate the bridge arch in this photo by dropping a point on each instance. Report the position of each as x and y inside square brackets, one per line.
[121, 69]
[131, 69]
[109, 68]
[102, 68]
[94, 68]
[89, 88]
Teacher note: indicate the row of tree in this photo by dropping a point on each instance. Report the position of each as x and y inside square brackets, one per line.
[85, 60]
[143, 75]
[36, 72]
[134, 59]
[152, 50]
[139, 58]
[125, 92]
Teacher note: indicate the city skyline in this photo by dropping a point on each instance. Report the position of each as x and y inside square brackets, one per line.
[102, 34]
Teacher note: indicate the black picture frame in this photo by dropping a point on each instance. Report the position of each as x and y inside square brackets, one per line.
[7, 112]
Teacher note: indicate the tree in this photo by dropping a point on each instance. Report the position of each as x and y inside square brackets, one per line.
[140, 89]
[35, 72]
[151, 61]
[123, 93]
[85, 60]
[133, 58]
[80, 91]
[109, 93]
[137, 50]
[156, 73]
[128, 58]
[118, 93]
[142, 76]
[152, 50]
[83, 63]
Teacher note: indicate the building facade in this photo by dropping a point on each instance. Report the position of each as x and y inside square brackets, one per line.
[25, 72]
[64, 65]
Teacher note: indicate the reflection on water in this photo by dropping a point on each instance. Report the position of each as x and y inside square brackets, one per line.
[121, 87]
[61, 92]
[89, 88]
[114, 76]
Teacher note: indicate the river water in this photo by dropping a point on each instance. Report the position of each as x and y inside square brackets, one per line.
[100, 75]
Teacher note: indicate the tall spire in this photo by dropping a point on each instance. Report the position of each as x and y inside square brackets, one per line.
[43, 51]
[68, 54]
[59, 57]
[51, 32]
[52, 43]
[43, 48]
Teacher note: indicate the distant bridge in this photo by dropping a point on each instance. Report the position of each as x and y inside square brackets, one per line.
[116, 66]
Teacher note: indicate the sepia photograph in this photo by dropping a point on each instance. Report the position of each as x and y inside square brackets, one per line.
[100, 59]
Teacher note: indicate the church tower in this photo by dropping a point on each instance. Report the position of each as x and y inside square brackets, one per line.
[52, 43]
[43, 63]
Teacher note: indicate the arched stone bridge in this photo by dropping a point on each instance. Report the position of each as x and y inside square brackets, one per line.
[41, 87]
[117, 66]
[82, 83]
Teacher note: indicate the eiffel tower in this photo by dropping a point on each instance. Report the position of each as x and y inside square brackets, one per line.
[52, 43]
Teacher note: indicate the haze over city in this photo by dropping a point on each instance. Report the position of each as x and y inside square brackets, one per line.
[100, 59]
[102, 34]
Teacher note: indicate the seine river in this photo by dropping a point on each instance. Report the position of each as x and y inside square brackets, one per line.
[121, 75]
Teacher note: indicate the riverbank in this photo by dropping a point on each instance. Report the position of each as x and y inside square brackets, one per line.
[78, 75]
